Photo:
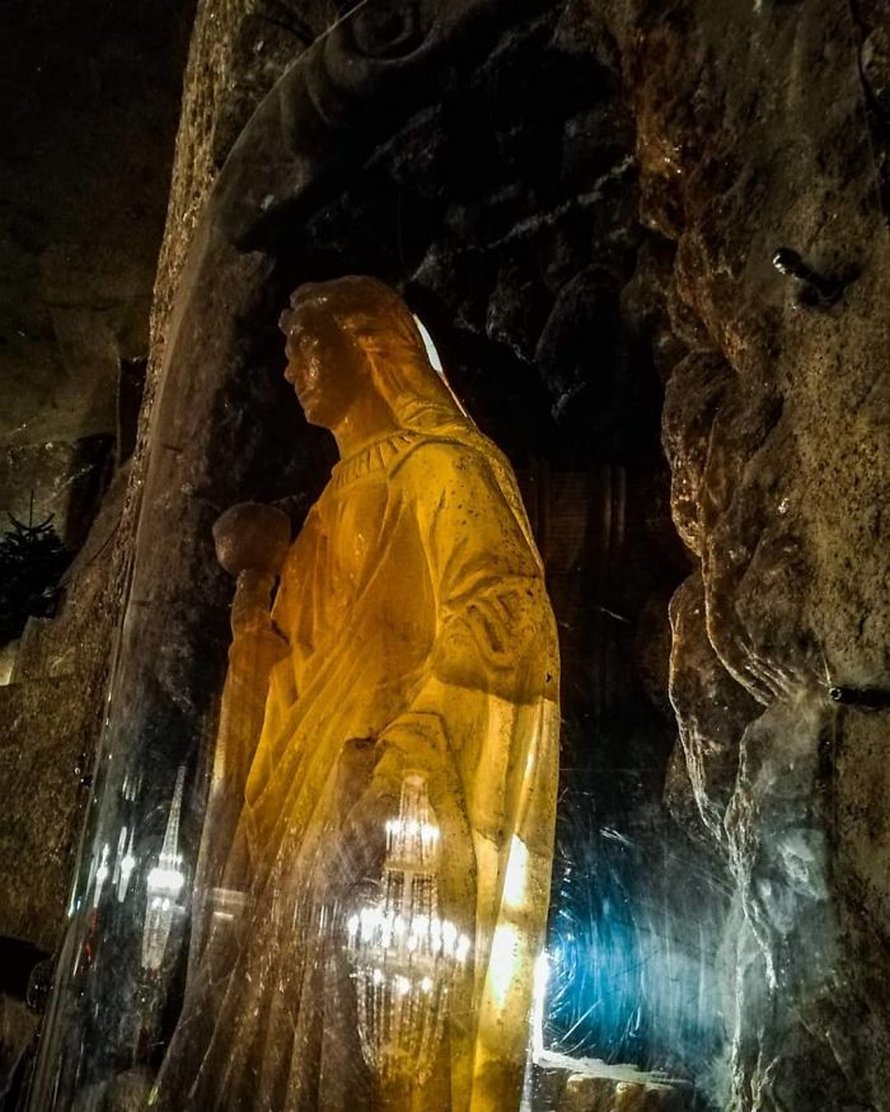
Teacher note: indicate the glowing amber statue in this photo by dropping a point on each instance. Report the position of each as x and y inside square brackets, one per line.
[377, 852]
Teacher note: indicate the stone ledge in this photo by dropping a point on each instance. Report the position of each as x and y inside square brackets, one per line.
[565, 1084]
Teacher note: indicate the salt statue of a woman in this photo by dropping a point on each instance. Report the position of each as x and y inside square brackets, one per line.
[376, 860]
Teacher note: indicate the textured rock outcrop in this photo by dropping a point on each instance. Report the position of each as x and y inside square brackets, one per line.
[755, 133]
[90, 107]
[98, 277]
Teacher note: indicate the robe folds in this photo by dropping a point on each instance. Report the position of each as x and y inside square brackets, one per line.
[411, 634]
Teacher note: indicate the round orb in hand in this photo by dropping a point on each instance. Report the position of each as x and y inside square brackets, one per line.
[252, 536]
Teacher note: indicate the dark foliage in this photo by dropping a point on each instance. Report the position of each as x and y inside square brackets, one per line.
[32, 560]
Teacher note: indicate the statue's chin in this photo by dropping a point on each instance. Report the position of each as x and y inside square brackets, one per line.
[319, 422]
[323, 416]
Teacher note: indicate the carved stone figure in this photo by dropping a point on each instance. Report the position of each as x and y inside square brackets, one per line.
[374, 873]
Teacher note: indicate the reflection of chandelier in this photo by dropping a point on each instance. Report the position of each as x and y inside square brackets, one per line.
[164, 883]
[404, 956]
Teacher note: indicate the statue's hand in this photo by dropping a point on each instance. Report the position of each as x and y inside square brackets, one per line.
[252, 537]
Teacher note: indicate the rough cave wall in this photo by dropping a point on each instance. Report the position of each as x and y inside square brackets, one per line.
[237, 52]
[764, 127]
[89, 97]
[91, 102]
[752, 134]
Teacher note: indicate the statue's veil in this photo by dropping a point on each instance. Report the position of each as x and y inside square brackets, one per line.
[419, 396]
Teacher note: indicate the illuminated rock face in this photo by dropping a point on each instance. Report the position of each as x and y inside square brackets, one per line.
[385, 781]
[775, 426]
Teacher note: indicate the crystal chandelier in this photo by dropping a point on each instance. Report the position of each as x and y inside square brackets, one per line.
[404, 957]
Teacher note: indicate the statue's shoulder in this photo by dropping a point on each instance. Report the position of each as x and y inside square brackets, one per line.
[442, 455]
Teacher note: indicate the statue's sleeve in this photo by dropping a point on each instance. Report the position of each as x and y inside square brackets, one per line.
[494, 623]
[493, 658]
[492, 672]
[484, 724]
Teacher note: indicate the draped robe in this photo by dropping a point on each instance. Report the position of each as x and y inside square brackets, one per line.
[411, 633]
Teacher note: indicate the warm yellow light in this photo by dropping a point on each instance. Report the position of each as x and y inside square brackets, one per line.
[516, 878]
[505, 962]
[539, 997]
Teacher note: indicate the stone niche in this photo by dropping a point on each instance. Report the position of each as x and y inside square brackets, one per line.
[582, 203]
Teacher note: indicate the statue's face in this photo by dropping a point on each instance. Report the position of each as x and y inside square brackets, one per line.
[324, 365]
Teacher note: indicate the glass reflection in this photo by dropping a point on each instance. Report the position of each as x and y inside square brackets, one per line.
[163, 886]
[405, 956]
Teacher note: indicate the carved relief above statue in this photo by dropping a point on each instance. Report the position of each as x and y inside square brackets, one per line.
[374, 873]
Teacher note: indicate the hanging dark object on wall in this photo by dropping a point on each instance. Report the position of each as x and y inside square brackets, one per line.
[32, 560]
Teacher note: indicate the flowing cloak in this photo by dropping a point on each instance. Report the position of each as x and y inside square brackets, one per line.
[411, 632]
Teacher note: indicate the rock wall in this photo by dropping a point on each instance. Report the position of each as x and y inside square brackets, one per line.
[760, 128]
[85, 266]
[91, 103]
[238, 50]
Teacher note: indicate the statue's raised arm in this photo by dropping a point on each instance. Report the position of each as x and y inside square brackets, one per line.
[392, 855]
